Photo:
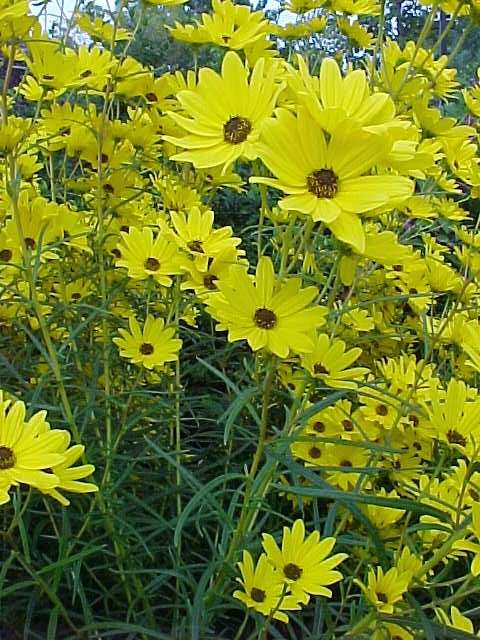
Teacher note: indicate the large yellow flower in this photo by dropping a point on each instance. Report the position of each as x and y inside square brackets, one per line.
[225, 114]
[33, 454]
[331, 98]
[265, 312]
[328, 181]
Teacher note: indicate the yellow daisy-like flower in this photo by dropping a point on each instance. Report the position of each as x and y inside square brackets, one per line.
[263, 589]
[330, 362]
[68, 476]
[328, 181]
[265, 312]
[225, 114]
[27, 449]
[331, 98]
[194, 233]
[229, 25]
[145, 255]
[152, 346]
[304, 563]
[384, 590]
[454, 418]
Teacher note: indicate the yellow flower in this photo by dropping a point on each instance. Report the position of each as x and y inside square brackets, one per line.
[97, 29]
[303, 564]
[384, 590]
[330, 362]
[194, 233]
[225, 114]
[456, 620]
[263, 589]
[267, 313]
[28, 449]
[152, 346]
[68, 476]
[145, 256]
[356, 33]
[328, 181]
[233, 26]
[454, 418]
[331, 99]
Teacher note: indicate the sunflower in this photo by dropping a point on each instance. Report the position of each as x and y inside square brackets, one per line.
[225, 114]
[327, 181]
[384, 590]
[263, 589]
[145, 255]
[303, 563]
[229, 25]
[68, 476]
[28, 449]
[152, 346]
[194, 233]
[265, 312]
[454, 418]
[330, 362]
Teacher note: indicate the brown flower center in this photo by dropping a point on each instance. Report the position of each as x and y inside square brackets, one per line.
[382, 597]
[323, 183]
[146, 349]
[195, 246]
[30, 243]
[347, 425]
[381, 410]
[292, 571]
[236, 130]
[152, 264]
[258, 595]
[319, 426]
[151, 97]
[314, 452]
[7, 458]
[456, 438]
[346, 463]
[6, 255]
[265, 318]
[209, 282]
[318, 369]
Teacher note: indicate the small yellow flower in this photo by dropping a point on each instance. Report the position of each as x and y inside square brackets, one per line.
[385, 590]
[152, 346]
[264, 589]
[304, 564]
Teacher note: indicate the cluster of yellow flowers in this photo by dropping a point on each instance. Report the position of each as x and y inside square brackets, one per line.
[358, 291]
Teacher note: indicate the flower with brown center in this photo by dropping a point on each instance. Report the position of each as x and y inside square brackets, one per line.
[323, 183]
[236, 130]
[151, 346]
[269, 314]
[216, 134]
[333, 178]
[304, 562]
[265, 318]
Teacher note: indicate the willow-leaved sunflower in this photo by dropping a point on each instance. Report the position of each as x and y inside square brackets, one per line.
[329, 181]
[225, 114]
[266, 312]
